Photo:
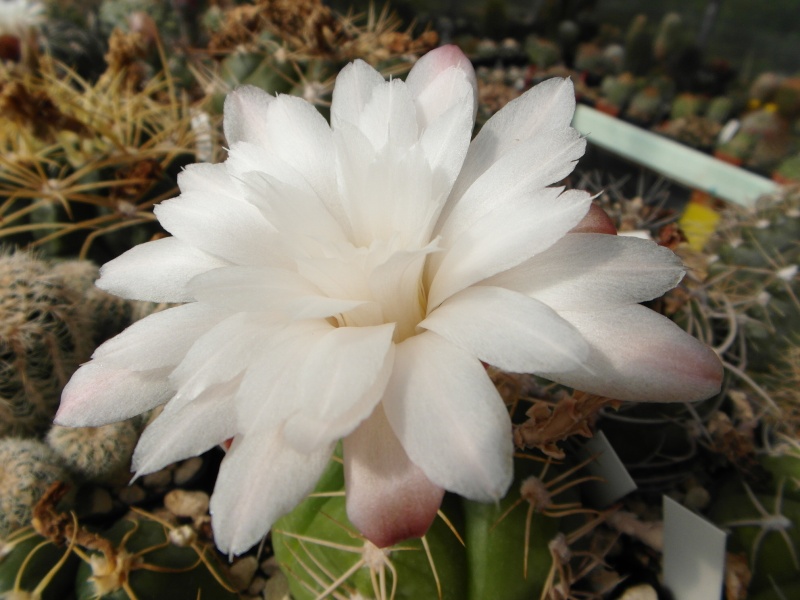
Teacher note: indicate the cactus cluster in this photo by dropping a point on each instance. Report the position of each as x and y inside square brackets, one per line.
[96, 453]
[51, 319]
[510, 550]
[27, 469]
[44, 335]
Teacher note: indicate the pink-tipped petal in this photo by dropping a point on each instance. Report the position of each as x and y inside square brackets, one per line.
[389, 498]
[449, 417]
[97, 396]
[640, 355]
[245, 115]
[261, 479]
[439, 79]
[595, 221]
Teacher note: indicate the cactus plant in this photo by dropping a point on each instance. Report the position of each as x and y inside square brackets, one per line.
[143, 556]
[44, 336]
[645, 106]
[687, 105]
[638, 46]
[474, 551]
[33, 568]
[747, 303]
[96, 453]
[52, 317]
[27, 469]
[616, 90]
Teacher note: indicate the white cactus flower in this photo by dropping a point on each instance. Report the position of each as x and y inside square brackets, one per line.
[345, 281]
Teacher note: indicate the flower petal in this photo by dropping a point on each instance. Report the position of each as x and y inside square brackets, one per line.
[260, 479]
[390, 117]
[339, 383]
[386, 193]
[637, 354]
[221, 354]
[354, 87]
[174, 435]
[389, 498]
[438, 81]
[172, 332]
[267, 290]
[234, 230]
[156, 271]
[98, 396]
[522, 171]
[448, 416]
[267, 395]
[245, 114]
[595, 271]
[508, 330]
[544, 108]
[504, 238]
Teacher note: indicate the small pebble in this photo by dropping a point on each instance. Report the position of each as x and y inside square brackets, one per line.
[159, 479]
[243, 571]
[277, 588]
[101, 502]
[640, 592]
[132, 494]
[257, 586]
[186, 471]
[187, 504]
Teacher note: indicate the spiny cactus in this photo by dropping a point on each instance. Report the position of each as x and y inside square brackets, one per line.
[44, 336]
[510, 550]
[744, 302]
[144, 556]
[95, 453]
[33, 568]
[27, 469]
[88, 158]
[761, 525]
[51, 319]
[284, 46]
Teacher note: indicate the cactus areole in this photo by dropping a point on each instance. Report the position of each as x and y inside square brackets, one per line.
[345, 281]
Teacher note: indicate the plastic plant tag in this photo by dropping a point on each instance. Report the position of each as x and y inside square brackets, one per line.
[694, 554]
[615, 482]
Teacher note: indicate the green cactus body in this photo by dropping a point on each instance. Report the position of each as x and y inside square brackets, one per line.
[300, 542]
[757, 272]
[322, 553]
[779, 592]
[542, 53]
[43, 339]
[738, 148]
[500, 567]
[645, 105]
[27, 469]
[617, 90]
[638, 47]
[720, 109]
[687, 105]
[763, 526]
[33, 567]
[671, 37]
[150, 562]
[784, 465]
[787, 98]
[789, 169]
